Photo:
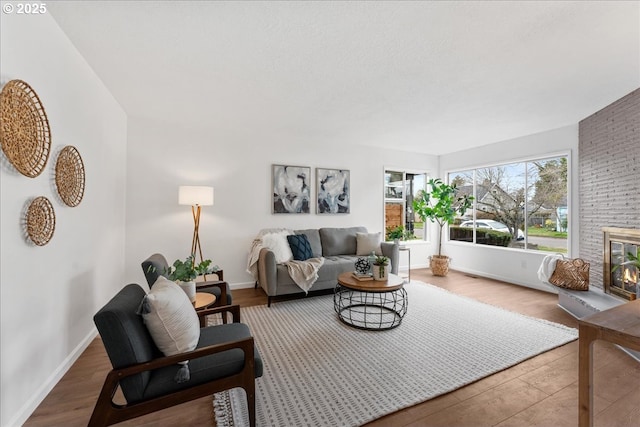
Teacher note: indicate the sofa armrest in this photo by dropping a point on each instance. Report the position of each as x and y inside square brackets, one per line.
[267, 272]
[392, 251]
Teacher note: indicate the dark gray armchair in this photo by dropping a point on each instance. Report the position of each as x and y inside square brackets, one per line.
[224, 358]
[157, 265]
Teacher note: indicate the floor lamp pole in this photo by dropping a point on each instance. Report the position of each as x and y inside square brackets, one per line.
[195, 243]
[196, 197]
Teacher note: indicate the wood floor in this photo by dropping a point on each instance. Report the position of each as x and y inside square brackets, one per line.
[542, 391]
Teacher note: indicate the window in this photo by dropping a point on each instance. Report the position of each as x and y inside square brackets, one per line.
[518, 205]
[400, 187]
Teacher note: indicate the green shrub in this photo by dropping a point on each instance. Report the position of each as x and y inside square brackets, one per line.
[483, 236]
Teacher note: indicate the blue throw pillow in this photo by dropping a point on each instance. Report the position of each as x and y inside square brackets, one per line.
[300, 247]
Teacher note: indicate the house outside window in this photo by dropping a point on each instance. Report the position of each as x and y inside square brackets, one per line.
[519, 205]
[400, 188]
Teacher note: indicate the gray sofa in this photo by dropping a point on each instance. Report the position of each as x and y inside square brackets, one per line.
[338, 247]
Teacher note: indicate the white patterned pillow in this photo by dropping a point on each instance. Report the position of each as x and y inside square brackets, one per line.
[278, 244]
[367, 243]
[170, 318]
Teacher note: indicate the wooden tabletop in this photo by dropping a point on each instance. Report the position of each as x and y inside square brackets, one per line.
[620, 324]
[203, 300]
[392, 284]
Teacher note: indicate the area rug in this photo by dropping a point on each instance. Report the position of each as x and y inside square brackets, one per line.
[320, 372]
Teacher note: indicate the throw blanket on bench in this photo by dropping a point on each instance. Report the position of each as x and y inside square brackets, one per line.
[303, 273]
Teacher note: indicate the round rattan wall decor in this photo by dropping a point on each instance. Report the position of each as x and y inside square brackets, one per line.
[24, 128]
[41, 221]
[70, 176]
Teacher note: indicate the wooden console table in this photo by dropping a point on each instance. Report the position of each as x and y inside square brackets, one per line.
[619, 325]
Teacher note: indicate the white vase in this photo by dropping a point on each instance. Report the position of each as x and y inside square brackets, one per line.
[380, 272]
[189, 288]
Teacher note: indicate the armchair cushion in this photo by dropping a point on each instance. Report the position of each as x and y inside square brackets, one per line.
[208, 368]
[170, 318]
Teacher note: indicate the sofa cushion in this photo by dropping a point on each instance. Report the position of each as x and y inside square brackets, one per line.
[328, 273]
[300, 247]
[339, 241]
[367, 243]
[278, 244]
[313, 235]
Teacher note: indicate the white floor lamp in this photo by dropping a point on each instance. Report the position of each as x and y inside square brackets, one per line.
[196, 197]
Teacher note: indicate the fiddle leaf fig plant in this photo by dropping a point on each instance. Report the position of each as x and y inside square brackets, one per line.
[441, 205]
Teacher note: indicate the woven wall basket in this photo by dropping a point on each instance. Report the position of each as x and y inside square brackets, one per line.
[24, 129]
[70, 176]
[41, 221]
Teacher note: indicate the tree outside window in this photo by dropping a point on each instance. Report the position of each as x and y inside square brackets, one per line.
[520, 205]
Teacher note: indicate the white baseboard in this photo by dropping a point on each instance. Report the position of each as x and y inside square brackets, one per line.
[30, 405]
[539, 287]
[242, 285]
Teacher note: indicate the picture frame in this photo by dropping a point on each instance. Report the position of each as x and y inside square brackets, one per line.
[333, 190]
[291, 189]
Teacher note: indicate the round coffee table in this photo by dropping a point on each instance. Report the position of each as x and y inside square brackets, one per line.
[370, 304]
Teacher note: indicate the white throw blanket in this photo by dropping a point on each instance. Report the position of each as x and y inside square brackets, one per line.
[303, 273]
[547, 267]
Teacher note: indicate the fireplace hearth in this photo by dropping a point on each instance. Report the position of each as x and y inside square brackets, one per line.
[620, 274]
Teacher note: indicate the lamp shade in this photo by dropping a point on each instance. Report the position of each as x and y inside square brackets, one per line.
[195, 195]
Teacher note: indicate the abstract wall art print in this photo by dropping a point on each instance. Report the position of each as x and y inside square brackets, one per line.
[291, 189]
[333, 191]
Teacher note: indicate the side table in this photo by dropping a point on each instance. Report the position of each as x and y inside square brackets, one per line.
[407, 249]
[203, 300]
[619, 325]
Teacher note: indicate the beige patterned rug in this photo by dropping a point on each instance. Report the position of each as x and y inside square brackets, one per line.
[320, 372]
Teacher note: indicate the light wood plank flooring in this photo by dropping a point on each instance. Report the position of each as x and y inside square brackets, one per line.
[542, 391]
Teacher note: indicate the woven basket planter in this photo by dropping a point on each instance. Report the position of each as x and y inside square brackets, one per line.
[439, 265]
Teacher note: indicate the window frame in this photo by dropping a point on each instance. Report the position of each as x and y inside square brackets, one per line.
[403, 200]
[527, 159]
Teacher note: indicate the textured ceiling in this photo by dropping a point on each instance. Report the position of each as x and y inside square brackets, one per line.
[432, 77]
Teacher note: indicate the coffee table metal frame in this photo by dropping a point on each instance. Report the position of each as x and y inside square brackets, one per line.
[370, 305]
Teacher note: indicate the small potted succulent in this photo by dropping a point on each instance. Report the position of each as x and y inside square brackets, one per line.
[381, 268]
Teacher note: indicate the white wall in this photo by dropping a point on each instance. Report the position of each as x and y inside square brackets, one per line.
[514, 266]
[237, 163]
[49, 294]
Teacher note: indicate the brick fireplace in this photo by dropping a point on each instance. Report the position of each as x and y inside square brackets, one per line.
[620, 276]
[609, 188]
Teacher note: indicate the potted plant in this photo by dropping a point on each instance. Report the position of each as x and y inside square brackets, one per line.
[381, 268]
[440, 205]
[184, 273]
[395, 233]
